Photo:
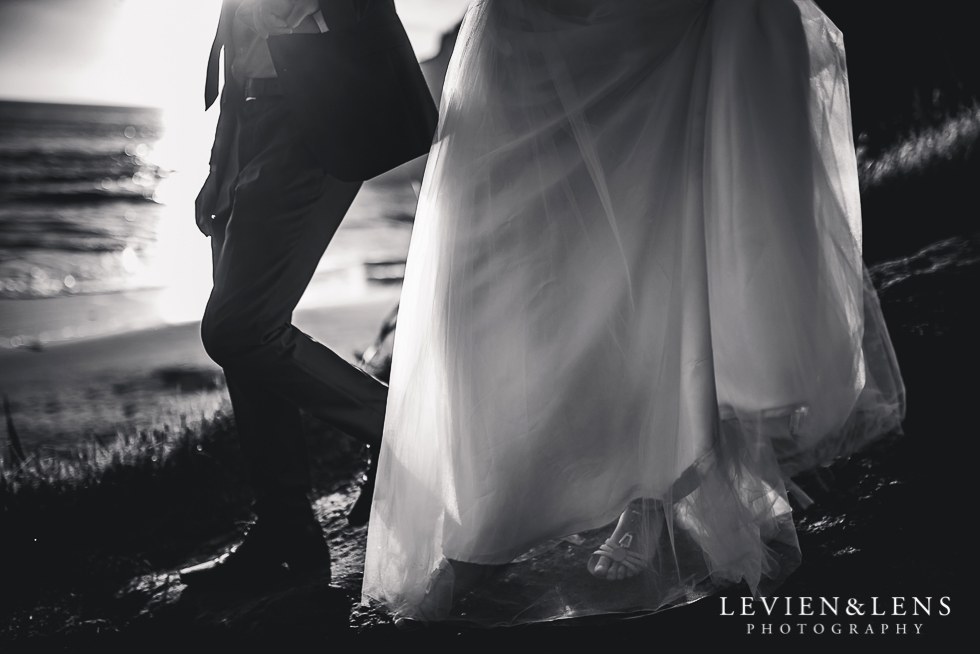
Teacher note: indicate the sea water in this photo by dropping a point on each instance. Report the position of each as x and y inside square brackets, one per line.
[97, 231]
[77, 213]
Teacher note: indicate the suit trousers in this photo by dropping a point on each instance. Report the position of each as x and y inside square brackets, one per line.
[276, 216]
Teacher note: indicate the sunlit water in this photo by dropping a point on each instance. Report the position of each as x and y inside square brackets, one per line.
[97, 233]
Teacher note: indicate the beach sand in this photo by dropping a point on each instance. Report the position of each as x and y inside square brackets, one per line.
[63, 393]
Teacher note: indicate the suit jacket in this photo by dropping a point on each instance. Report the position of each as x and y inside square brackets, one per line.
[356, 92]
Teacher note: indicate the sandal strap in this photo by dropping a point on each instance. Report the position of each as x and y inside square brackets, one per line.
[613, 551]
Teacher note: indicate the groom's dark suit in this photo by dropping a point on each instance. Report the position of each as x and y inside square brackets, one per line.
[288, 158]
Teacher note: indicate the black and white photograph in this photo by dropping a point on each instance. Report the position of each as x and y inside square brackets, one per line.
[578, 325]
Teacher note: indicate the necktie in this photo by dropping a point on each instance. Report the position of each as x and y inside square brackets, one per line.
[221, 38]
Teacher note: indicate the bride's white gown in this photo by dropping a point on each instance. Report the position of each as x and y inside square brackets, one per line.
[636, 272]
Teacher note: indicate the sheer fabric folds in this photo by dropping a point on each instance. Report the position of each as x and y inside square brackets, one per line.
[635, 273]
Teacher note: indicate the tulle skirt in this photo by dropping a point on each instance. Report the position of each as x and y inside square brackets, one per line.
[635, 273]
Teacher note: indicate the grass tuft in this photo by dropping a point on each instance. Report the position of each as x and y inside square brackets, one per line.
[951, 141]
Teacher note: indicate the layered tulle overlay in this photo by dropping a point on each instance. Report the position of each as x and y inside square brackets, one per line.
[635, 273]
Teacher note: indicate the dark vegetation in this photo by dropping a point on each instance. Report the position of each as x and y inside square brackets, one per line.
[78, 526]
[912, 69]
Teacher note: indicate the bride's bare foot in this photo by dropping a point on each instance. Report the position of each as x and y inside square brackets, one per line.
[627, 552]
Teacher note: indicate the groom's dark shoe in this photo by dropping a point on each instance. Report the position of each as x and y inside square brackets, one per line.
[360, 512]
[278, 547]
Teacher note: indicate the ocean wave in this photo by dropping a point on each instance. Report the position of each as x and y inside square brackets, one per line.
[62, 242]
[82, 196]
[47, 166]
[78, 227]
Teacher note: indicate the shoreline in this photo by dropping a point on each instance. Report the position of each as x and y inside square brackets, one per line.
[39, 323]
[68, 391]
